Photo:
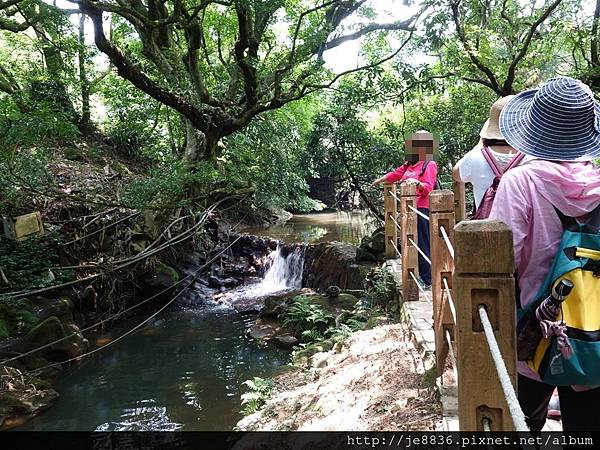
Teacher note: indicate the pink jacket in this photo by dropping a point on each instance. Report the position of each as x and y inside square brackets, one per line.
[405, 171]
[525, 201]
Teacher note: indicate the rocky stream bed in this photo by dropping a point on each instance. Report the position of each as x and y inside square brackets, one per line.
[326, 275]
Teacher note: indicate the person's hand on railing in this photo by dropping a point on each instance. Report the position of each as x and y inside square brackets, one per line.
[378, 181]
[410, 181]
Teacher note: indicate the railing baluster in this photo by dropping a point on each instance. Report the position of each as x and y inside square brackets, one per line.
[408, 197]
[391, 213]
[441, 211]
[484, 267]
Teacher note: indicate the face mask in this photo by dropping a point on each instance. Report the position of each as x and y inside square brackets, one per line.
[412, 158]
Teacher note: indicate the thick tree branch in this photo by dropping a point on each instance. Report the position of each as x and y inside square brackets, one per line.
[454, 6]
[131, 72]
[405, 25]
[245, 42]
[507, 88]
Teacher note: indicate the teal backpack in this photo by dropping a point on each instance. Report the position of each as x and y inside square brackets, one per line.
[569, 350]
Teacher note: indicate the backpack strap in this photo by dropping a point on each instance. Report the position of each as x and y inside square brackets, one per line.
[424, 168]
[491, 161]
[568, 223]
[515, 161]
[593, 220]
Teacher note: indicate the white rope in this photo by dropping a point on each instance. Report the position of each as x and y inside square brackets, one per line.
[394, 195]
[394, 245]
[397, 224]
[420, 251]
[509, 391]
[447, 240]
[424, 216]
[418, 284]
[452, 356]
[450, 300]
[487, 425]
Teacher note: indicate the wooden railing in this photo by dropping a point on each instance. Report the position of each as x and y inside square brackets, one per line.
[472, 266]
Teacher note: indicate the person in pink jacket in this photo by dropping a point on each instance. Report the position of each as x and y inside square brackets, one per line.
[420, 170]
[558, 126]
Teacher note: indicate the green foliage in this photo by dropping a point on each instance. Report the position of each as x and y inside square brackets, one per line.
[272, 151]
[312, 335]
[16, 317]
[342, 332]
[42, 124]
[380, 289]
[168, 185]
[26, 263]
[137, 125]
[20, 172]
[306, 316]
[492, 35]
[259, 391]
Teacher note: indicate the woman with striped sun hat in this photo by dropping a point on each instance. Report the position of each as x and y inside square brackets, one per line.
[558, 126]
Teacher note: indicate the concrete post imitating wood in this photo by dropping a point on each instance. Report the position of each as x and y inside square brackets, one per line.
[391, 211]
[441, 214]
[460, 202]
[483, 275]
[408, 197]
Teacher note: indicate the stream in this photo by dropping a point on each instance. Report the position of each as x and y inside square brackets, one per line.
[184, 370]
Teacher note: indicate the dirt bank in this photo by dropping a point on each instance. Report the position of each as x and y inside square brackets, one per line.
[370, 383]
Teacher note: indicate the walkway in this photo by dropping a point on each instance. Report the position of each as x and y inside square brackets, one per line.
[417, 318]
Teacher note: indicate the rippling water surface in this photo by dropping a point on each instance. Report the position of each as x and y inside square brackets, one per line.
[181, 372]
[320, 227]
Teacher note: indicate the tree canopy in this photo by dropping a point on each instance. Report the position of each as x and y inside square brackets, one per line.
[217, 93]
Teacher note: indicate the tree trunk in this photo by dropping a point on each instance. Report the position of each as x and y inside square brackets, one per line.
[85, 124]
[195, 144]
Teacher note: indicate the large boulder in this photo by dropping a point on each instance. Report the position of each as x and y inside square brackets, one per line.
[162, 277]
[372, 248]
[275, 304]
[266, 330]
[333, 263]
[18, 405]
[71, 342]
[44, 308]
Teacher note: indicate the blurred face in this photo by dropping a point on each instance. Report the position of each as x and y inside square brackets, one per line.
[421, 147]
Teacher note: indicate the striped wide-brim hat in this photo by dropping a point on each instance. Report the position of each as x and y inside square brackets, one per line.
[559, 121]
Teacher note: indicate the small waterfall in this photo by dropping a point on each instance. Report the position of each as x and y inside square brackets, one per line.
[285, 272]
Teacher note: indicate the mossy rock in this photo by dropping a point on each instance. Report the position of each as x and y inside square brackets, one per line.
[344, 301]
[277, 304]
[323, 346]
[24, 403]
[16, 317]
[50, 330]
[378, 242]
[73, 154]
[363, 254]
[376, 321]
[48, 307]
[329, 304]
[162, 276]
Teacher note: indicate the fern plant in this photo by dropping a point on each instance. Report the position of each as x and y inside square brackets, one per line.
[259, 391]
[339, 333]
[303, 316]
[312, 336]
